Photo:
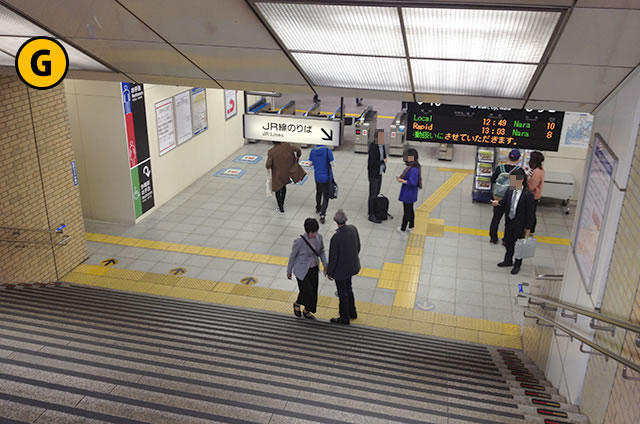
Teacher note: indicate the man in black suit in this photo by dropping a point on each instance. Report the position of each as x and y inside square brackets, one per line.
[343, 264]
[518, 207]
[376, 166]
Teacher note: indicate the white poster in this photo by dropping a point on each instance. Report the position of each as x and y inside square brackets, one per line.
[164, 122]
[230, 104]
[576, 129]
[592, 215]
[184, 130]
[292, 129]
[199, 110]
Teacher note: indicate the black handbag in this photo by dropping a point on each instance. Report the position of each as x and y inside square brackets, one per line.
[333, 186]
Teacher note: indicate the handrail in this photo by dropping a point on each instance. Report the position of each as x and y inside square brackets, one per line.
[364, 113]
[338, 112]
[594, 346]
[582, 311]
[16, 231]
[291, 104]
[550, 277]
[311, 109]
[63, 242]
[36, 230]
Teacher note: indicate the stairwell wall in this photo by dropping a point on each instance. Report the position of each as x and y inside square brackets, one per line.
[37, 188]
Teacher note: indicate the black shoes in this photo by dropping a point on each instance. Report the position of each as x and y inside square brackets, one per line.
[516, 267]
[339, 321]
[322, 220]
[493, 241]
[505, 264]
[373, 219]
[296, 310]
[308, 315]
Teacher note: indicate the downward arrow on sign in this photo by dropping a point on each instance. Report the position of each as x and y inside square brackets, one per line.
[328, 137]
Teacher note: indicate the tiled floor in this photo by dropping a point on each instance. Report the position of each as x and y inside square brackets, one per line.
[458, 275]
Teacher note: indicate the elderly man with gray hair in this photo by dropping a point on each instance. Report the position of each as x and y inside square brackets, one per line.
[344, 264]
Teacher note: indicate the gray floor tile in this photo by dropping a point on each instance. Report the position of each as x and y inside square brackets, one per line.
[383, 297]
[442, 306]
[176, 258]
[471, 311]
[469, 298]
[143, 265]
[440, 293]
[210, 274]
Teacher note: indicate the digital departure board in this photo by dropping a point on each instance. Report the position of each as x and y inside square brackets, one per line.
[484, 126]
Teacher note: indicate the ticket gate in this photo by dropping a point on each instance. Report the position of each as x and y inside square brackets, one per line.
[262, 106]
[397, 134]
[445, 152]
[288, 109]
[338, 115]
[365, 129]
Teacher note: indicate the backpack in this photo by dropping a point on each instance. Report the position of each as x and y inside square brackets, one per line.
[381, 208]
[502, 182]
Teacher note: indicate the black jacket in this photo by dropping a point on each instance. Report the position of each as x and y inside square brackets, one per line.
[375, 160]
[524, 212]
[343, 253]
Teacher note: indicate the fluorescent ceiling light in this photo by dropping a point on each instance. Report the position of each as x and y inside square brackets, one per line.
[479, 34]
[6, 60]
[14, 24]
[363, 30]
[371, 73]
[471, 78]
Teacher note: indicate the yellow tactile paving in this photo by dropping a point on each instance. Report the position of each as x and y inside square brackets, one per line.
[167, 280]
[185, 293]
[423, 316]
[485, 233]
[399, 324]
[125, 274]
[405, 299]
[442, 192]
[404, 313]
[435, 227]
[456, 170]
[444, 331]
[195, 283]
[466, 335]
[425, 328]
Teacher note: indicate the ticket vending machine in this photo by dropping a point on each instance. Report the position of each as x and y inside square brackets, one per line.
[365, 129]
[397, 134]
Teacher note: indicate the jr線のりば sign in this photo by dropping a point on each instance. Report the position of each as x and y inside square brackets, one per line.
[292, 129]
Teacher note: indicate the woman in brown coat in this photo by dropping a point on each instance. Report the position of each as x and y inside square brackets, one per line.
[282, 160]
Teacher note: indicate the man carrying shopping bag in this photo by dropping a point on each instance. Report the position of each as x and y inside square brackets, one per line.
[517, 204]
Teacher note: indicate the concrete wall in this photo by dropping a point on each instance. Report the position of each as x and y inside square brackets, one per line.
[588, 380]
[36, 189]
[177, 169]
[99, 143]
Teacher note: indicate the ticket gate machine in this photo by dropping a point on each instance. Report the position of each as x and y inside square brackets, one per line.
[397, 134]
[288, 109]
[365, 129]
[261, 105]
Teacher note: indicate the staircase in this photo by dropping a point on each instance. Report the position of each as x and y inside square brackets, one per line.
[72, 353]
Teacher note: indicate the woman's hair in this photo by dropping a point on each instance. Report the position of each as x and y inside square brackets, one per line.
[415, 164]
[414, 153]
[311, 225]
[536, 160]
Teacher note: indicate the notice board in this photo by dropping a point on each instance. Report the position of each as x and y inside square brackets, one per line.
[184, 126]
[596, 197]
[199, 110]
[484, 126]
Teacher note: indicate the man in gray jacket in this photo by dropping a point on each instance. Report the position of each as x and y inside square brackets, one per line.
[344, 264]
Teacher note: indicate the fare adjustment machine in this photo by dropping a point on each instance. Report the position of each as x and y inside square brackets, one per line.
[365, 129]
[397, 134]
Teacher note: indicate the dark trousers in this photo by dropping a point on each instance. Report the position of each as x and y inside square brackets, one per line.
[375, 183]
[280, 195]
[408, 217]
[495, 222]
[347, 302]
[322, 197]
[308, 296]
[535, 219]
[511, 235]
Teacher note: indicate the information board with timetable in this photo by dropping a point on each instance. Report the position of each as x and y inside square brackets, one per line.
[484, 126]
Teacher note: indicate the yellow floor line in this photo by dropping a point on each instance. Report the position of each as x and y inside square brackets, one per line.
[204, 251]
[347, 114]
[274, 300]
[443, 191]
[485, 233]
[456, 170]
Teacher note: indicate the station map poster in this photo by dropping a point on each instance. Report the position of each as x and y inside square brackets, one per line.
[137, 146]
[184, 126]
[484, 126]
[199, 110]
[230, 104]
[576, 129]
[597, 193]
[165, 126]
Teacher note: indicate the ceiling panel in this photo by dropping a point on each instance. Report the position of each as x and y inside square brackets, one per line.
[600, 37]
[14, 24]
[335, 28]
[581, 84]
[609, 4]
[240, 64]
[6, 60]
[141, 57]
[366, 94]
[476, 34]
[76, 74]
[564, 106]
[214, 23]
[261, 86]
[172, 80]
[471, 78]
[96, 19]
[372, 73]
[481, 101]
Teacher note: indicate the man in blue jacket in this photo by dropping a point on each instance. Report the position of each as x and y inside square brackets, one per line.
[322, 159]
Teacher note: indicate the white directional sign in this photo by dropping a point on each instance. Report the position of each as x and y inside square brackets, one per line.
[292, 129]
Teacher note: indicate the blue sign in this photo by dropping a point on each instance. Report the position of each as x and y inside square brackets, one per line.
[126, 97]
[230, 173]
[74, 172]
[250, 159]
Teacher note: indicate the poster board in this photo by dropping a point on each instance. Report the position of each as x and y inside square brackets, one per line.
[597, 194]
[199, 110]
[165, 126]
[576, 129]
[230, 104]
[184, 126]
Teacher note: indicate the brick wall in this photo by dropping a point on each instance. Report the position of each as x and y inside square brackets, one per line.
[607, 396]
[36, 184]
[536, 339]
